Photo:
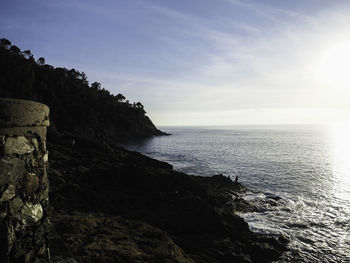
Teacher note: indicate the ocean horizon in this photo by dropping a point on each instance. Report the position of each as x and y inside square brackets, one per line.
[307, 166]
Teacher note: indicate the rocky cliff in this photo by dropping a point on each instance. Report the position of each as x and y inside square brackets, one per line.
[113, 205]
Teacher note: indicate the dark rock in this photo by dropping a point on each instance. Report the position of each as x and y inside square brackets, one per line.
[11, 170]
[32, 213]
[196, 213]
[99, 238]
[30, 183]
[18, 145]
[16, 205]
[9, 193]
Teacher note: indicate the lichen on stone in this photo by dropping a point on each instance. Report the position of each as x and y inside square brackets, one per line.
[46, 157]
[31, 183]
[9, 193]
[18, 145]
[44, 195]
[35, 143]
[11, 170]
[32, 212]
[15, 205]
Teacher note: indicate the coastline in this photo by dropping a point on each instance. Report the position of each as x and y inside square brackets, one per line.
[121, 206]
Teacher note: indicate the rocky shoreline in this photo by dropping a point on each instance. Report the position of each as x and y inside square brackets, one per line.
[113, 205]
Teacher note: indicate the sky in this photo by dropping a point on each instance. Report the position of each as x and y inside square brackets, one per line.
[200, 62]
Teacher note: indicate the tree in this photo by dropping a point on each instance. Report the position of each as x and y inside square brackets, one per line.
[83, 77]
[139, 105]
[96, 85]
[27, 54]
[120, 97]
[5, 43]
[72, 73]
[16, 50]
[41, 61]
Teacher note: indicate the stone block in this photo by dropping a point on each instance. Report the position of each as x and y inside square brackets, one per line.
[30, 183]
[9, 193]
[15, 205]
[19, 145]
[35, 143]
[11, 170]
[23, 113]
[32, 213]
[44, 195]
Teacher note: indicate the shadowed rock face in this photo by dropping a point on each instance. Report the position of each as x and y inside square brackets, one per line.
[195, 214]
[23, 181]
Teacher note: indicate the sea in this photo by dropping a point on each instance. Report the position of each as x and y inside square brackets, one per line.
[308, 167]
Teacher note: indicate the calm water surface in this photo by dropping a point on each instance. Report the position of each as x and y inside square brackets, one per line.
[309, 167]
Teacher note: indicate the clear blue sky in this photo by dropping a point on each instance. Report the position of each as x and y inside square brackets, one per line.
[199, 61]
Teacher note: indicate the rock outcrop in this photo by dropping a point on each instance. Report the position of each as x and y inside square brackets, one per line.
[113, 205]
[24, 186]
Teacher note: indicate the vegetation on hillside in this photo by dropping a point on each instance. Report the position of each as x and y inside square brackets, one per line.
[77, 107]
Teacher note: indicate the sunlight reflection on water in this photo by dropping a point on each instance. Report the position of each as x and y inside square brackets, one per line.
[340, 138]
[308, 167]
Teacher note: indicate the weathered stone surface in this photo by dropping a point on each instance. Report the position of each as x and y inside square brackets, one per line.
[35, 143]
[21, 113]
[18, 145]
[44, 178]
[44, 195]
[11, 237]
[31, 183]
[15, 205]
[32, 212]
[20, 131]
[23, 184]
[11, 170]
[46, 158]
[9, 193]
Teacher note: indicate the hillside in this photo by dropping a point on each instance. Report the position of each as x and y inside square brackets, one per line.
[77, 107]
[108, 204]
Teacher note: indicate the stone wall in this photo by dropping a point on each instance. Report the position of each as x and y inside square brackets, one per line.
[24, 186]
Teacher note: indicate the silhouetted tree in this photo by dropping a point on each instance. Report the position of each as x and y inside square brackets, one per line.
[83, 77]
[27, 54]
[41, 61]
[5, 43]
[14, 49]
[139, 105]
[96, 85]
[120, 98]
[74, 105]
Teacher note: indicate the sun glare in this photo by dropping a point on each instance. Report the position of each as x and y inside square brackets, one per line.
[341, 158]
[334, 65]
